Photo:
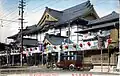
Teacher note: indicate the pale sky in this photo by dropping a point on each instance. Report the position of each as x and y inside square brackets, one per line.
[35, 8]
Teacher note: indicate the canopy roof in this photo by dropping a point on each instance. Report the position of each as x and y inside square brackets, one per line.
[110, 17]
[57, 40]
[106, 22]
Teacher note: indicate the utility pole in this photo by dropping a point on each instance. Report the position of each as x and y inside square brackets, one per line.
[100, 47]
[69, 32]
[21, 11]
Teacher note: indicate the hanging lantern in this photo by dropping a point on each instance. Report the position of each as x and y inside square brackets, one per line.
[54, 47]
[45, 44]
[66, 47]
[109, 41]
[81, 45]
[88, 43]
[60, 46]
[30, 49]
[35, 48]
[74, 45]
[21, 50]
[27, 50]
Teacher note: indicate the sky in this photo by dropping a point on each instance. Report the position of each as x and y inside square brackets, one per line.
[34, 10]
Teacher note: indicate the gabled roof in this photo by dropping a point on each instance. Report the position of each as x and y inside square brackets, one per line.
[55, 13]
[57, 40]
[28, 30]
[31, 27]
[100, 27]
[107, 22]
[71, 13]
[13, 36]
[76, 11]
[109, 17]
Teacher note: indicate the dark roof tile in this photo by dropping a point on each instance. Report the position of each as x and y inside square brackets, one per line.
[76, 11]
[108, 17]
[56, 40]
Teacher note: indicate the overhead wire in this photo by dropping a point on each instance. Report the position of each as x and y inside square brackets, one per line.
[38, 9]
[9, 10]
[56, 1]
[10, 13]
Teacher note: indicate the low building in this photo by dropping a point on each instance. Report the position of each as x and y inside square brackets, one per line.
[102, 36]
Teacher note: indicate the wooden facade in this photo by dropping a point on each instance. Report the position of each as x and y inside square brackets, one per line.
[83, 19]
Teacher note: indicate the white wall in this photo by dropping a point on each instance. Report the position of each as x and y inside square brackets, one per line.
[73, 35]
[51, 31]
[94, 43]
[41, 37]
[31, 36]
[63, 31]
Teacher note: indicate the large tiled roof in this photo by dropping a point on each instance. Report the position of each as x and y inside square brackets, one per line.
[28, 30]
[106, 18]
[99, 27]
[57, 40]
[106, 22]
[70, 14]
[13, 36]
[31, 27]
[55, 13]
[74, 12]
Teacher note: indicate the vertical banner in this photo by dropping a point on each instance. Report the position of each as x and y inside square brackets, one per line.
[41, 47]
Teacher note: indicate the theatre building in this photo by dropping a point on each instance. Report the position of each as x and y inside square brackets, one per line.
[77, 28]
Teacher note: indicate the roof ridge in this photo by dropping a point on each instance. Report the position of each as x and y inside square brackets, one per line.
[109, 14]
[56, 35]
[47, 8]
[106, 15]
[78, 5]
[113, 14]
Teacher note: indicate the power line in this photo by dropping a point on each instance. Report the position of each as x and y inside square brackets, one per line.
[10, 20]
[28, 1]
[44, 4]
[9, 10]
[10, 13]
[13, 19]
[3, 2]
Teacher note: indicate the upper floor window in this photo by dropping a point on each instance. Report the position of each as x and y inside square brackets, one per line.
[68, 33]
[89, 33]
[100, 31]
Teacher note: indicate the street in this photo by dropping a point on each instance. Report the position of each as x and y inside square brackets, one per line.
[42, 71]
[61, 73]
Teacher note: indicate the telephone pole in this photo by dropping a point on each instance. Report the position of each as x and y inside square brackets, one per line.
[100, 41]
[21, 11]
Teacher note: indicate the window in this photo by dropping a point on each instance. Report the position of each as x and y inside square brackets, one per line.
[100, 31]
[89, 33]
[68, 33]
